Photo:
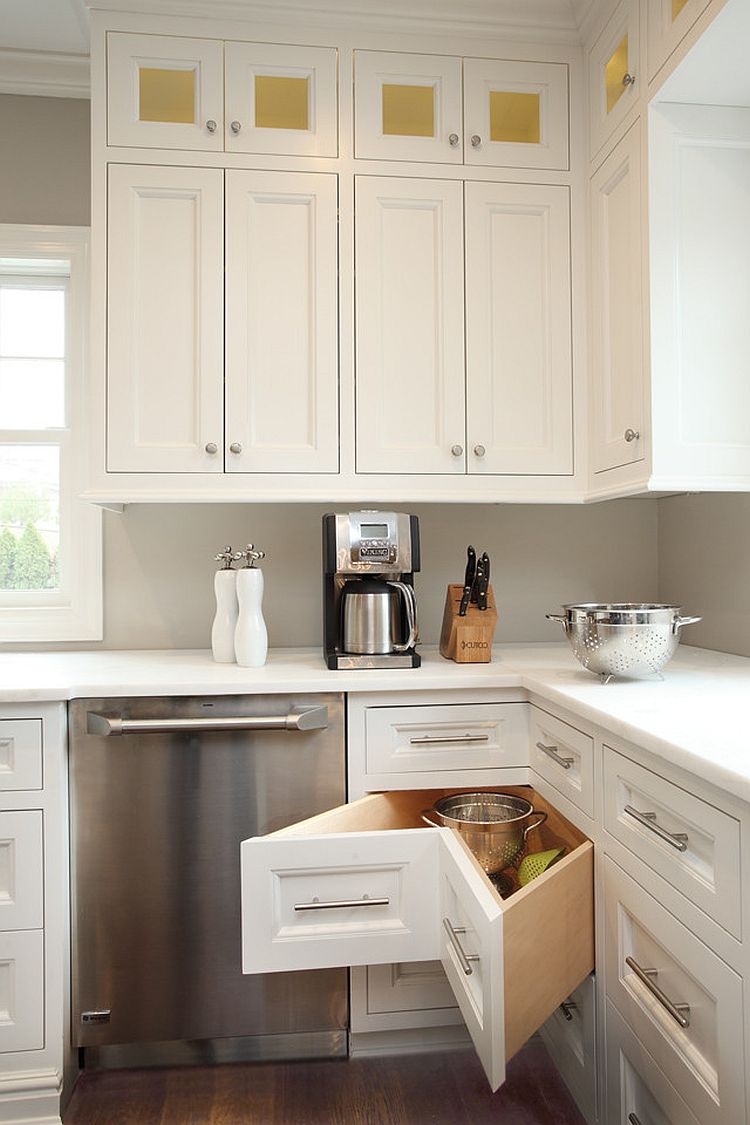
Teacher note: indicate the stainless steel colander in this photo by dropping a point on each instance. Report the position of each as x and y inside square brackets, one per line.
[622, 638]
[494, 825]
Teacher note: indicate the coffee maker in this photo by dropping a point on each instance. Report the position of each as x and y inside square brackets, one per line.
[370, 608]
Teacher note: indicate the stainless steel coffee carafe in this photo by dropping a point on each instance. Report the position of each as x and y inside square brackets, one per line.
[372, 618]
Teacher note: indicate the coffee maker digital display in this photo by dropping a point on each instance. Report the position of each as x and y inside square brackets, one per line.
[370, 608]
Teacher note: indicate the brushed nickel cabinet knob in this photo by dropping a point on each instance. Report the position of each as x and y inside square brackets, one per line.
[479, 451]
[453, 140]
[457, 450]
[211, 126]
[631, 435]
[476, 141]
[235, 447]
[235, 126]
[628, 79]
[212, 447]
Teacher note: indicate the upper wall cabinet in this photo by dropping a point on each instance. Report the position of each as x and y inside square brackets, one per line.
[410, 107]
[668, 23]
[171, 93]
[613, 69]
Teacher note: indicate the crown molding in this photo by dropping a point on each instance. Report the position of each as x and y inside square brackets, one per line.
[528, 20]
[44, 74]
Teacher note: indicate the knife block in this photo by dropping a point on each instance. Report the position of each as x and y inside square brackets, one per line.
[468, 640]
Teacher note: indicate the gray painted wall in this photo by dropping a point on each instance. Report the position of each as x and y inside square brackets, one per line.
[44, 160]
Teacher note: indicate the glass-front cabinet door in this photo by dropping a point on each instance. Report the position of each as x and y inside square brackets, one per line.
[281, 99]
[164, 92]
[668, 22]
[613, 69]
[407, 107]
[516, 114]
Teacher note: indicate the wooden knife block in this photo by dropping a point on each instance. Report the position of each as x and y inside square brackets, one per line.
[468, 640]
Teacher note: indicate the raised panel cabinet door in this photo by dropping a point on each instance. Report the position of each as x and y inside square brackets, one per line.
[165, 92]
[22, 991]
[281, 322]
[281, 99]
[410, 325]
[407, 107]
[668, 22]
[614, 74]
[165, 279]
[519, 369]
[21, 870]
[617, 346]
[516, 114]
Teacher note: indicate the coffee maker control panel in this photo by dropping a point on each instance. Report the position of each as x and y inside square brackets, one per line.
[374, 542]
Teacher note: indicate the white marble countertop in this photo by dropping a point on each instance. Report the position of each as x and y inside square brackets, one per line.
[693, 717]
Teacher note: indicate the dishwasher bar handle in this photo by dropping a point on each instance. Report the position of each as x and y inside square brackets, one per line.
[297, 718]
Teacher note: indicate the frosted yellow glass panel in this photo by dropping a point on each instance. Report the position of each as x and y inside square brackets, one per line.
[166, 95]
[615, 71]
[514, 117]
[281, 102]
[677, 6]
[408, 111]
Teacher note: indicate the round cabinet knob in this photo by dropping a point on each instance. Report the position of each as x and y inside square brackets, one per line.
[235, 126]
[212, 447]
[457, 450]
[235, 447]
[211, 126]
[453, 140]
[628, 79]
[631, 435]
[479, 451]
[476, 141]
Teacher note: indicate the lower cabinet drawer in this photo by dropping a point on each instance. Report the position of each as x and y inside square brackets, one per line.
[681, 1000]
[22, 990]
[369, 884]
[20, 754]
[638, 1093]
[570, 1037]
[563, 756]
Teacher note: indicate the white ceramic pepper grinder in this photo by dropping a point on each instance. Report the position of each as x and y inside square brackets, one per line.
[227, 610]
[251, 635]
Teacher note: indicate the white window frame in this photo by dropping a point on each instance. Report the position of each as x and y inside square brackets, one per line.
[74, 611]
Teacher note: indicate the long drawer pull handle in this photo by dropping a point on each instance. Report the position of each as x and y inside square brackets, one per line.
[634, 1119]
[553, 753]
[429, 740]
[678, 840]
[680, 1013]
[464, 959]
[298, 718]
[341, 904]
[567, 1008]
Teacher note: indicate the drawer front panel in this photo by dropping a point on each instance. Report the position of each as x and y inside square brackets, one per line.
[563, 756]
[22, 991]
[359, 898]
[20, 754]
[570, 1036]
[693, 845]
[637, 1091]
[662, 977]
[450, 737]
[21, 870]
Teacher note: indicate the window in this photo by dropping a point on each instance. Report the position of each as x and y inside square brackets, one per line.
[50, 540]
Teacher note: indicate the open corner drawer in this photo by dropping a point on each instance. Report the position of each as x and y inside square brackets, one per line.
[368, 884]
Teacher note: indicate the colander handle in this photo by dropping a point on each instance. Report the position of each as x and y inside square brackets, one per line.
[542, 817]
[560, 618]
[680, 621]
[425, 814]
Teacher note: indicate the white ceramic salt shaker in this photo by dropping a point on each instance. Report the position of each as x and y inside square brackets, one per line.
[251, 635]
[227, 610]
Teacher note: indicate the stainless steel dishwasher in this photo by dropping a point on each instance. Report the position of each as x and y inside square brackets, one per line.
[162, 792]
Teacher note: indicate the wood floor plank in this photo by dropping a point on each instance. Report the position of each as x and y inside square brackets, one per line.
[437, 1088]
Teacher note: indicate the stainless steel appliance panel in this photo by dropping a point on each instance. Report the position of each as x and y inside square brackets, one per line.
[157, 820]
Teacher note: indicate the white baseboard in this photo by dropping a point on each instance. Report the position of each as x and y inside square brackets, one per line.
[32, 1098]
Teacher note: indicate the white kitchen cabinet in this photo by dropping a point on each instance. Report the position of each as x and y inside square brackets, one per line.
[169, 409]
[367, 883]
[407, 107]
[614, 74]
[570, 1037]
[174, 92]
[618, 368]
[165, 278]
[21, 992]
[20, 754]
[411, 387]
[281, 99]
[667, 23]
[409, 325]
[515, 114]
[21, 870]
[564, 756]
[165, 92]
[519, 367]
[281, 322]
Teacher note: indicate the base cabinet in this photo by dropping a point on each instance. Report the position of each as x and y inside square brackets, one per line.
[368, 884]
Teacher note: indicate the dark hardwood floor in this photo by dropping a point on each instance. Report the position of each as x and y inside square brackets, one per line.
[439, 1088]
